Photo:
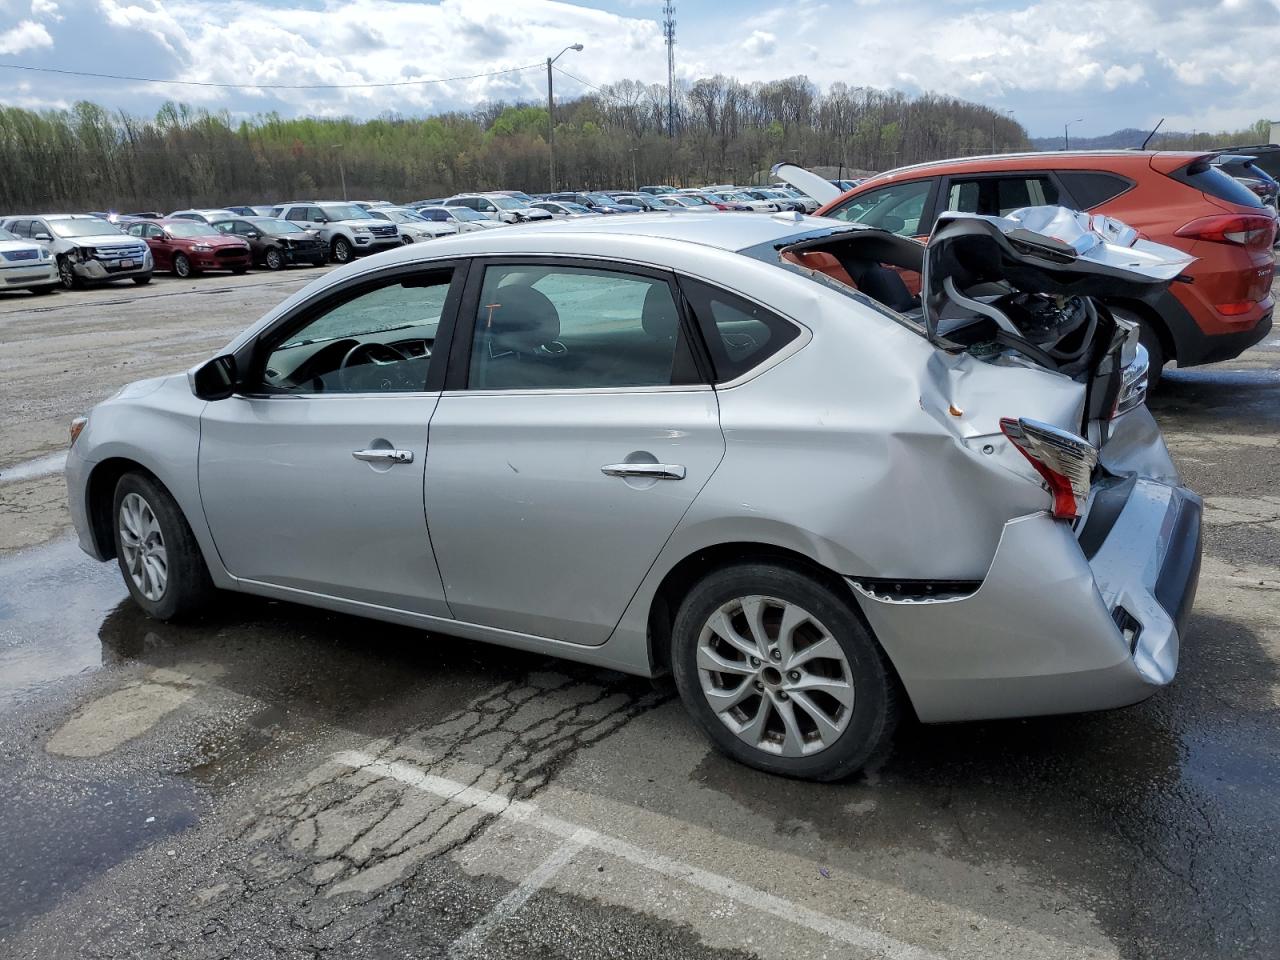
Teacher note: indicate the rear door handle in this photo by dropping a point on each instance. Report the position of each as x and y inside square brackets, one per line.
[383, 456]
[651, 471]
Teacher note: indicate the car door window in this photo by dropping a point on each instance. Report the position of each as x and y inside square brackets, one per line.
[999, 196]
[297, 214]
[377, 339]
[898, 208]
[573, 328]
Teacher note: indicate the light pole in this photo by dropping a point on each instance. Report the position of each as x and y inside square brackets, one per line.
[342, 172]
[551, 113]
[635, 183]
[1066, 138]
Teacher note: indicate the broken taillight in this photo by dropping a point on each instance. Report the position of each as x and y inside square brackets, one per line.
[1065, 460]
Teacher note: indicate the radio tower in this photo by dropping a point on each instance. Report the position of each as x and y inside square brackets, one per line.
[669, 32]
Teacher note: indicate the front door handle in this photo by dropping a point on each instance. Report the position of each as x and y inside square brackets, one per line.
[650, 471]
[383, 455]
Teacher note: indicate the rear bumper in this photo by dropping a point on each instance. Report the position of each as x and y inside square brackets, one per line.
[1202, 335]
[1051, 630]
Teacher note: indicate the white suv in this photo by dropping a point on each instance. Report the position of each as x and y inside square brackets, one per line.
[346, 228]
[86, 249]
[499, 206]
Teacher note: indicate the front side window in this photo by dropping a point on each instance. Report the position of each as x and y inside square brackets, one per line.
[897, 208]
[378, 339]
[296, 214]
[740, 334]
[573, 328]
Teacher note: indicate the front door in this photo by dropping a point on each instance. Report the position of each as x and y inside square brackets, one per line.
[580, 431]
[312, 479]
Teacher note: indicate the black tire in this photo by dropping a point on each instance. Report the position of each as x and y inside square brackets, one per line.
[44, 288]
[405, 239]
[341, 250]
[274, 259]
[188, 587]
[182, 266]
[1149, 337]
[876, 698]
[67, 275]
[143, 280]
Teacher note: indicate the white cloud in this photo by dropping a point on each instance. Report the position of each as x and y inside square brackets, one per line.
[45, 9]
[760, 44]
[27, 35]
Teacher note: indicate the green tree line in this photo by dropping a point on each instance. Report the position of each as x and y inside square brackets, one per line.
[88, 157]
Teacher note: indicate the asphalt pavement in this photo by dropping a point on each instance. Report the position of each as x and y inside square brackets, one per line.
[275, 781]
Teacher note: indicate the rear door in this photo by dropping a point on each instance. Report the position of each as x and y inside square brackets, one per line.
[578, 427]
[998, 195]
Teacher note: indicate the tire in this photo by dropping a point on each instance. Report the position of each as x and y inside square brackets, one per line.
[182, 266]
[67, 275]
[143, 280]
[274, 260]
[155, 544]
[341, 250]
[405, 239]
[1149, 337]
[860, 717]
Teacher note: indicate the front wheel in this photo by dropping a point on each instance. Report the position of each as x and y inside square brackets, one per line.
[342, 250]
[182, 266]
[781, 674]
[67, 274]
[156, 550]
[274, 259]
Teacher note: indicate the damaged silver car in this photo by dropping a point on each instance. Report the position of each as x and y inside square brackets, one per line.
[734, 448]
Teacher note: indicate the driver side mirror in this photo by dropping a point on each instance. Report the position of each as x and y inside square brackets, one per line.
[215, 379]
[321, 220]
[41, 236]
[253, 234]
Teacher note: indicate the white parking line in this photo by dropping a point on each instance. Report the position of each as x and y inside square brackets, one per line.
[522, 811]
[517, 898]
[31, 469]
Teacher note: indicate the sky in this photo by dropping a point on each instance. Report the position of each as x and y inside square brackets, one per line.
[1203, 65]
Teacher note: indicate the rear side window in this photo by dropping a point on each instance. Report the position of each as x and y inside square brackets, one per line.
[999, 196]
[1089, 188]
[740, 335]
[1209, 180]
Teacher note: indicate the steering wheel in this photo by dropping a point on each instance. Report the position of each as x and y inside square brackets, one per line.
[371, 354]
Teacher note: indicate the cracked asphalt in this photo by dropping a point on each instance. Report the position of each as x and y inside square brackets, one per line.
[275, 781]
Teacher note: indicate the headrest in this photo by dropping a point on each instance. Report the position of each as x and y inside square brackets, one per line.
[523, 319]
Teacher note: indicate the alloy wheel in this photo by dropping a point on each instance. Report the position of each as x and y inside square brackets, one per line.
[274, 260]
[66, 274]
[181, 266]
[775, 676]
[142, 544]
[341, 250]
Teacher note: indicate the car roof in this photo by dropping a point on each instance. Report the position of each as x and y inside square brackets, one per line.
[1032, 159]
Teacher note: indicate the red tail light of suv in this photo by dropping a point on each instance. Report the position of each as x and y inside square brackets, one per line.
[1181, 199]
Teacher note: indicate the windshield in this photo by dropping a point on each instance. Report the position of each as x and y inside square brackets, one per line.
[191, 228]
[506, 203]
[574, 207]
[601, 198]
[273, 226]
[695, 201]
[345, 211]
[465, 213]
[88, 227]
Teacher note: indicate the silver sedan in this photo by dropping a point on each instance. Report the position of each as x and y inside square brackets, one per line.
[821, 474]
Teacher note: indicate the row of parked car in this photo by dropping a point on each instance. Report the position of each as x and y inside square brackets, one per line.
[42, 252]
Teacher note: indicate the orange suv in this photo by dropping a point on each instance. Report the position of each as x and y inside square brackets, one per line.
[1179, 199]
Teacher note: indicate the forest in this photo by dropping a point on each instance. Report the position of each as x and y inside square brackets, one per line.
[88, 157]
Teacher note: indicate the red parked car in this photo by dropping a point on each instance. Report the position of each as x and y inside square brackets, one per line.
[188, 247]
[1180, 199]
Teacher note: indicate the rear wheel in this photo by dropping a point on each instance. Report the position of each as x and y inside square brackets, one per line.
[1149, 337]
[778, 670]
[158, 555]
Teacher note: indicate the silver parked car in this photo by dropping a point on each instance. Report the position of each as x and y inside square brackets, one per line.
[671, 444]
